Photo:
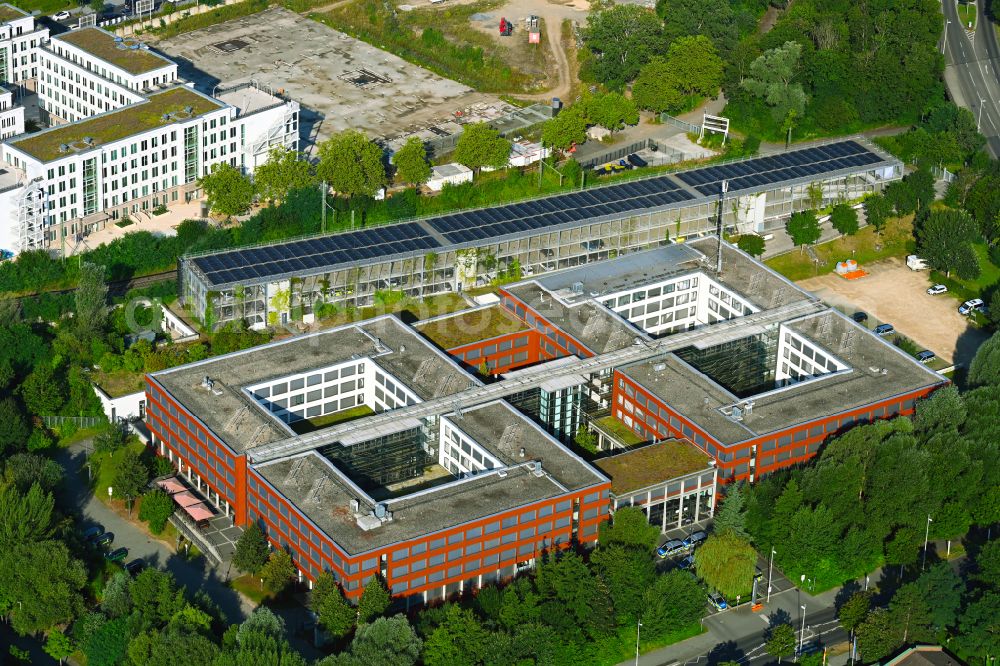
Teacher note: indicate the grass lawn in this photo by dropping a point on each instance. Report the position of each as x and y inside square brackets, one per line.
[251, 587]
[79, 435]
[967, 14]
[621, 647]
[44, 6]
[309, 425]
[106, 464]
[468, 327]
[619, 430]
[865, 247]
[963, 290]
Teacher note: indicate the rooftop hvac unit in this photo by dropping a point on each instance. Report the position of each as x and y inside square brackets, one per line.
[188, 109]
[380, 510]
[207, 383]
[355, 505]
[577, 287]
[502, 474]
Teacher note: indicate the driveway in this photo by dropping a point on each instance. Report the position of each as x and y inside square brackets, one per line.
[197, 575]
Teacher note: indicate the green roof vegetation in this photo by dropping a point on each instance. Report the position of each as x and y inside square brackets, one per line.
[120, 382]
[651, 464]
[117, 125]
[9, 13]
[309, 425]
[619, 431]
[102, 44]
[472, 326]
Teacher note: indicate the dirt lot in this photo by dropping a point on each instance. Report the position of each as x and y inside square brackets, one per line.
[892, 293]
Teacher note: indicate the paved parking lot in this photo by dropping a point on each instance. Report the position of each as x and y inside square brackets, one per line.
[894, 294]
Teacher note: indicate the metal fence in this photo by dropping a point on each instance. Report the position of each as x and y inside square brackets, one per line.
[677, 122]
[670, 155]
[79, 421]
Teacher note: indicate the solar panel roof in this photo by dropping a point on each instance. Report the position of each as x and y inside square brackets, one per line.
[763, 171]
[304, 255]
[476, 225]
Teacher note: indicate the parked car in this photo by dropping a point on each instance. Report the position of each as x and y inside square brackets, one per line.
[61, 16]
[694, 539]
[92, 533]
[105, 539]
[117, 555]
[937, 289]
[884, 329]
[970, 306]
[718, 601]
[135, 566]
[636, 161]
[671, 547]
[860, 317]
[686, 563]
[926, 356]
[758, 574]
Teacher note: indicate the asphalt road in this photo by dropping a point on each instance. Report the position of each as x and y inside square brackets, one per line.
[972, 71]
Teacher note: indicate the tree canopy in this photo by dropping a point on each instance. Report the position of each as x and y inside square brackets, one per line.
[285, 170]
[622, 39]
[482, 146]
[411, 162]
[351, 164]
[229, 191]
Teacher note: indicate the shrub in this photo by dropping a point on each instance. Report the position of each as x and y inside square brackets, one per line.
[156, 509]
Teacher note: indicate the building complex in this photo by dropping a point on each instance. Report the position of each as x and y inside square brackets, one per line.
[444, 455]
[125, 135]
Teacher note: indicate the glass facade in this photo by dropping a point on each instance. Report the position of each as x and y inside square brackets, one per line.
[384, 460]
[190, 154]
[90, 186]
[559, 412]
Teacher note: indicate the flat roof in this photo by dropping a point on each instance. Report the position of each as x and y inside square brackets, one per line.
[699, 398]
[321, 492]
[572, 210]
[247, 98]
[467, 326]
[102, 44]
[242, 424]
[649, 465]
[504, 431]
[118, 124]
[9, 12]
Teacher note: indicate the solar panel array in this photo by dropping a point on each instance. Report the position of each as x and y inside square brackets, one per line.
[315, 253]
[529, 216]
[764, 171]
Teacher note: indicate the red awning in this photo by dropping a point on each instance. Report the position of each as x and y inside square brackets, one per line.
[171, 485]
[199, 512]
[186, 499]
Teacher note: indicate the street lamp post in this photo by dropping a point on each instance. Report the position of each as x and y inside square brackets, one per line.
[979, 121]
[638, 626]
[802, 632]
[944, 45]
[770, 569]
[927, 532]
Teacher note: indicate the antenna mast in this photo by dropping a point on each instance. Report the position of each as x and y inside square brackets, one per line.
[718, 230]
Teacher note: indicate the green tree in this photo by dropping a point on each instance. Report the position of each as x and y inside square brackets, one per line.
[987, 565]
[844, 219]
[58, 646]
[979, 626]
[622, 39]
[109, 439]
[285, 170]
[42, 584]
[877, 211]
[656, 88]
[25, 517]
[96, 6]
[14, 429]
[258, 641]
[803, 228]
[252, 549]
[107, 645]
[42, 391]
[229, 191]
[912, 617]
[944, 240]
[336, 616]
[675, 601]
[984, 370]
[386, 641]
[156, 509]
[771, 78]
[715, 19]
[482, 146]
[627, 571]
[24, 469]
[752, 244]
[630, 527]
[855, 610]
[351, 164]
[374, 600]
[566, 129]
[459, 640]
[612, 110]
[697, 68]
[411, 162]
[90, 314]
[730, 518]
[116, 600]
[131, 476]
[878, 637]
[727, 563]
[278, 572]
[586, 440]
[781, 642]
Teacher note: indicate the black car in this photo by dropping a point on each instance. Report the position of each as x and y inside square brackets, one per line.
[105, 539]
[91, 533]
[117, 555]
[860, 317]
[636, 161]
[135, 566]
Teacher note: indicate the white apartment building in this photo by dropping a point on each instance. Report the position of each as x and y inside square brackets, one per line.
[127, 137]
[11, 116]
[19, 42]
